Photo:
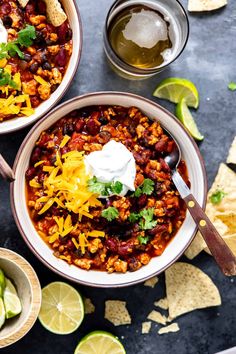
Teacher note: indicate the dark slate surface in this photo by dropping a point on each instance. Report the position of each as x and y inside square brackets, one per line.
[209, 61]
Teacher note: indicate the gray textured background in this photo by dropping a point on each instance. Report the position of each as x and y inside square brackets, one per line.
[209, 61]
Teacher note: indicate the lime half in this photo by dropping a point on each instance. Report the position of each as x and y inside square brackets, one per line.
[62, 309]
[11, 300]
[2, 283]
[174, 89]
[2, 313]
[99, 342]
[183, 113]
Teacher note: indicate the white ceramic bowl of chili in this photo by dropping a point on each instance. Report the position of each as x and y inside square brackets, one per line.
[175, 248]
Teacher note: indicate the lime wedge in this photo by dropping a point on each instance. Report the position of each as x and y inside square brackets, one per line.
[99, 342]
[11, 300]
[174, 89]
[2, 283]
[62, 309]
[183, 113]
[2, 313]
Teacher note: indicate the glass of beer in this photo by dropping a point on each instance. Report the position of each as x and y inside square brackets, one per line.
[141, 38]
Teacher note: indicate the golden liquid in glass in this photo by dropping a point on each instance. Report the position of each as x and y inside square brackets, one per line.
[136, 52]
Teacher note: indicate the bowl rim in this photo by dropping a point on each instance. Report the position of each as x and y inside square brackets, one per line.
[36, 296]
[58, 98]
[17, 220]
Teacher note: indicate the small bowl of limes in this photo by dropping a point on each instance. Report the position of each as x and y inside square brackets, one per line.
[20, 297]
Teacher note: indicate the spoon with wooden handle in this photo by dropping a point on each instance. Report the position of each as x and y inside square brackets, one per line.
[219, 249]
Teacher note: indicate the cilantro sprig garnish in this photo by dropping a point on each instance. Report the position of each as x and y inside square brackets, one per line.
[147, 187]
[110, 213]
[143, 240]
[145, 218]
[217, 197]
[24, 39]
[104, 189]
[5, 79]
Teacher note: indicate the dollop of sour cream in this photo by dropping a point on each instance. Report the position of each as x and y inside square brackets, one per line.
[113, 163]
[3, 33]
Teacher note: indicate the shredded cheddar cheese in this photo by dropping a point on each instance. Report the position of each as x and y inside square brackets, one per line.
[64, 141]
[96, 233]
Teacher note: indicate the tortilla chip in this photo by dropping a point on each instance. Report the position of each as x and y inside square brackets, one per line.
[205, 5]
[174, 327]
[222, 215]
[157, 317]
[146, 326]
[162, 303]
[151, 282]
[23, 3]
[232, 153]
[88, 306]
[117, 313]
[55, 13]
[189, 289]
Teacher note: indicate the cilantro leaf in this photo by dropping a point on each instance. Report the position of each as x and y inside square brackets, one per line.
[143, 240]
[217, 197]
[138, 192]
[116, 187]
[134, 217]
[5, 79]
[147, 187]
[147, 221]
[26, 36]
[232, 86]
[110, 213]
[3, 51]
[13, 49]
[104, 189]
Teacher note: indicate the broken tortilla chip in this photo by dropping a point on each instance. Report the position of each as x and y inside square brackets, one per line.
[205, 5]
[174, 327]
[88, 306]
[146, 326]
[232, 153]
[117, 313]
[189, 289]
[151, 282]
[162, 303]
[23, 3]
[157, 317]
[55, 12]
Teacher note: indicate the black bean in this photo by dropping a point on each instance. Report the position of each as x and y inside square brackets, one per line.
[34, 67]
[39, 40]
[7, 21]
[46, 66]
[68, 34]
[44, 58]
[27, 57]
[103, 120]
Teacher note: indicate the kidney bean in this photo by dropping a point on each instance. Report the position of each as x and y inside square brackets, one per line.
[134, 264]
[161, 146]
[26, 76]
[79, 125]
[30, 173]
[23, 65]
[62, 32]
[92, 127]
[142, 200]
[35, 157]
[164, 165]
[35, 101]
[30, 9]
[5, 9]
[42, 7]
[7, 21]
[61, 58]
[124, 249]
[112, 244]
[70, 245]
[159, 229]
